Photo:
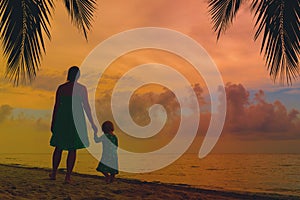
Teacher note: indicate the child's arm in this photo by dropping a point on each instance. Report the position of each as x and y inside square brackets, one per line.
[98, 139]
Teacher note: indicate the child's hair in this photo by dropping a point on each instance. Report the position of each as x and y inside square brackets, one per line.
[107, 127]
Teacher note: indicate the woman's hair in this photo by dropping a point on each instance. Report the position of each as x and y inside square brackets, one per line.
[73, 74]
[107, 127]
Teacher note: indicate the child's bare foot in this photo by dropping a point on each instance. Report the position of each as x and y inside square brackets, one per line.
[52, 176]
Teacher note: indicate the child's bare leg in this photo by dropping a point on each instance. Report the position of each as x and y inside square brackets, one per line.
[56, 157]
[70, 164]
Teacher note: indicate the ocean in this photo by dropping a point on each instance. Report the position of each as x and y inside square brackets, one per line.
[262, 173]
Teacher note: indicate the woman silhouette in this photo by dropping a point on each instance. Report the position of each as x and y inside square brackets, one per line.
[68, 127]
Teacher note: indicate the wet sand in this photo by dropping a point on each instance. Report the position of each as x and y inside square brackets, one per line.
[19, 182]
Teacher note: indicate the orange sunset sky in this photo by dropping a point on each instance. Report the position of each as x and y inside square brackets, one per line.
[262, 116]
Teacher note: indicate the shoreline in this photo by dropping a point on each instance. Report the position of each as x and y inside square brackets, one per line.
[22, 182]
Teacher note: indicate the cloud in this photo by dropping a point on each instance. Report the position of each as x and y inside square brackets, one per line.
[37, 119]
[248, 116]
[258, 118]
[5, 112]
[139, 104]
[48, 81]
[42, 124]
[294, 91]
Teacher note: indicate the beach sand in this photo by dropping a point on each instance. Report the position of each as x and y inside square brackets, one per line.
[19, 182]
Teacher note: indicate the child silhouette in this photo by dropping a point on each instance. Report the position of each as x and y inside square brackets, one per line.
[108, 164]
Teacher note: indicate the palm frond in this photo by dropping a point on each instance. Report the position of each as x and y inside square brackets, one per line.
[222, 13]
[278, 22]
[81, 12]
[22, 25]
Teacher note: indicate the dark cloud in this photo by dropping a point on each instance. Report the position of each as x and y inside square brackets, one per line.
[139, 105]
[257, 117]
[237, 99]
[248, 116]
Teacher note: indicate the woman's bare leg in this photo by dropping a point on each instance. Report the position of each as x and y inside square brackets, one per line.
[70, 164]
[56, 157]
[107, 178]
[112, 177]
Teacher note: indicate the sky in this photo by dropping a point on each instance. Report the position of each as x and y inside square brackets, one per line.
[262, 116]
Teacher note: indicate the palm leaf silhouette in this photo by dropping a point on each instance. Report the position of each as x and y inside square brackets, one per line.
[278, 20]
[23, 26]
[278, 23]
[223, 12]
[81, 12]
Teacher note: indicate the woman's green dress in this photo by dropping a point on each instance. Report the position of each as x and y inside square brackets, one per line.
[66, 134]
[109, 159]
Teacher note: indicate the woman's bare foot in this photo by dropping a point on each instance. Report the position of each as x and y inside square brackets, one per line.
[112, 178]
[52, 176]
[107, 179]
[68, 178]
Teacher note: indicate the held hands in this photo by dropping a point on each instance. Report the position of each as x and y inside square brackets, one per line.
[95, 129]
[96, 139]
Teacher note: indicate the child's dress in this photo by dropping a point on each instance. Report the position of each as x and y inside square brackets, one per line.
[109, 159]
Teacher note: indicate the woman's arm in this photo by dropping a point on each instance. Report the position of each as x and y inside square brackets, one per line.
[87, 110]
